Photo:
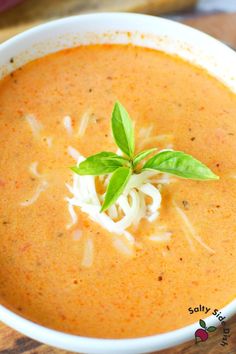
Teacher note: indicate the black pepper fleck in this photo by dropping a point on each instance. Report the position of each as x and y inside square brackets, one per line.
[160, 278]
[185, 204]
[193, 138]
[12, 60]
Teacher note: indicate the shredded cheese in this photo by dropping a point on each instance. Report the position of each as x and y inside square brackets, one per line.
[88, 256]
[162, 237]
[68, 124]
[141, 199]
[163, 138]
[164, 179]
[123, 247]
[33, 168]
[132, 203]
[190, 231]
[73, 153]
[34, 124]
[84, 123]
[154, 193]
[128, 210]
[73, 216]
[43, 185]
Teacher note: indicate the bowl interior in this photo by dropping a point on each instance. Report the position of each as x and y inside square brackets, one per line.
[141, 30]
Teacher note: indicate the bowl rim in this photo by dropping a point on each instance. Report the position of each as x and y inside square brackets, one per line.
[72, 342]
[99, 345]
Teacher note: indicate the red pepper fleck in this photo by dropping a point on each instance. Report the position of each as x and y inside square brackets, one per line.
[2, 183]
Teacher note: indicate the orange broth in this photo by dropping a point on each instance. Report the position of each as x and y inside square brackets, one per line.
[41, 275]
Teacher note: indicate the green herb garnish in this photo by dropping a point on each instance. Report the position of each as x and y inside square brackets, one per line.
[168, 161]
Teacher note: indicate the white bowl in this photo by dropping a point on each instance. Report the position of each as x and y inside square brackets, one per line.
[145, 31]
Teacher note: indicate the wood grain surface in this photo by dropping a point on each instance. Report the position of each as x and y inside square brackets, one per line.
[30, 13]
[222, 27]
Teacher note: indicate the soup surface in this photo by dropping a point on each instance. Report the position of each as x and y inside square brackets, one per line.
[43, 275]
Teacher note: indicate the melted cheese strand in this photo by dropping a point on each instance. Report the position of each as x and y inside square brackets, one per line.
[130, 209]
[73, 216]
[41, 188]
[68, 124]
[87, 260]
[191, 229]
[123, 247]
[137, 180]
[73, 153]
[34, 124]
[166, 138]
[162, 237]
[164, 179]
[113, 212]
[185, 231]
[84, 123]
[154, 193]
[33, 168]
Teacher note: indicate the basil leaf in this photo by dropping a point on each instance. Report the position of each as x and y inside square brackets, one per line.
[122, 129]
[99, 164]
[139, 157]
[122, 159]
[116, 186]
[179, 164]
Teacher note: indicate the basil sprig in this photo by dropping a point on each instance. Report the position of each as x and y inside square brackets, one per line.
[122, 129]
[116, 186]
[168, 161]
[179, 164]
[100, 164]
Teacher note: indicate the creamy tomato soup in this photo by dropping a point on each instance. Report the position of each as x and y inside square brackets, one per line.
[63, 270]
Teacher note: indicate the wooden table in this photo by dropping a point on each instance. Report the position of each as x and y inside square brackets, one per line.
[222, 27]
